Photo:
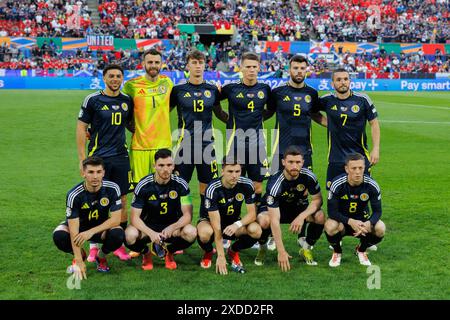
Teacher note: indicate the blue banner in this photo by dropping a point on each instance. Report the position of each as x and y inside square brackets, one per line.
[90, 83]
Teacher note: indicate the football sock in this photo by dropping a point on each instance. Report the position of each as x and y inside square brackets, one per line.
[335, 241]
[264, 236]
[113, 240]
[207, 247]
[62, 241]
[243, 242]
[314, 233]
[367, 241]
[178, 244]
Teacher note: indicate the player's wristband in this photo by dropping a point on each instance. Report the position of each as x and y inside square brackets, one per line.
[238, 223]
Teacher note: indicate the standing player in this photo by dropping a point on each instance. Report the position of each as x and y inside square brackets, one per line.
[246, 101]
[92, 213]
[224, 199]
[347, 113]
[295, 104]
[108, 112]
[195, 101]
[349, 213]
[286, 201]
[151, 94]
[161, 213]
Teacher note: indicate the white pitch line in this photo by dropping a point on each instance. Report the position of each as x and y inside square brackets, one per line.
[418, 122]
[422, 106]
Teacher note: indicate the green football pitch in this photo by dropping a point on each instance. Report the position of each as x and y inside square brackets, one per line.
[39, 165]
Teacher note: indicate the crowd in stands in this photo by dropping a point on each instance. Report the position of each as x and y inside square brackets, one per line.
[44, 18]
[221, 57]
[271, 20]
[426, 21]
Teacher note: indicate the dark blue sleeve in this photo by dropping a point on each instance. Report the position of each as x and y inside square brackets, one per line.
[333, 208]
[249, 194]
[139, 199]
[375, 204]
[87, 111]
[211, 201]
[72, 207]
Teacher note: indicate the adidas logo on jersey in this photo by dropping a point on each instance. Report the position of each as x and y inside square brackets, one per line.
[142, 91]
[85, 206]
[187, 95]
[222, 201]
[153, 197]
[287, 98]
[105, 108]
[334, 108]
[240, 95]
[344, 197]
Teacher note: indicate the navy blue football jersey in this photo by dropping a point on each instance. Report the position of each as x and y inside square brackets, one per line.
[229, 201]
[293, 115]
[108, 117]
[195, 103]
[160, 203]
[347, 124]
[92, 208]
[246, 105]
[346, 201]
[282, 193]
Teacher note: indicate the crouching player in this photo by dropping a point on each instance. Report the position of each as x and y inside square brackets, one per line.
[93, 214]
[161, 213]
[349, 213]
[224, 199]
[286, 201]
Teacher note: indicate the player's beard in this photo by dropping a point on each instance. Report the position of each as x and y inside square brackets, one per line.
[342, 89]
[152, 71]
[294, 173]
[298, 80]
[113, 88]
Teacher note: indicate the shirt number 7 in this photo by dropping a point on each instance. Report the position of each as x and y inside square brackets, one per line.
[343, 115]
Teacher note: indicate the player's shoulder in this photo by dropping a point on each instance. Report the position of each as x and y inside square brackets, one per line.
[310, 90]
[363, 97]
[263, 85]
[371, 183]
[145, 181]
[338, 182]
[111, 186]
[76, 189]
[246, 182]
[135, 80]
[211, 85]
[233, 83]
[274, 182]
[283, 85]
[165, 79]
[75, 192]
[125, 96]
[214, 185]
[182, 82]
[308, 173]
[180, 181]
[91, 97]
[328, 96]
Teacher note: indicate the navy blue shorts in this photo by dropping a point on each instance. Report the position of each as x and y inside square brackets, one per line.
[253, 157]
[207, 168]
[117, 169]
[287, 214]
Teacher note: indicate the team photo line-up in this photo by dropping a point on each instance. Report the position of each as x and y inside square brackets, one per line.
[160, 223]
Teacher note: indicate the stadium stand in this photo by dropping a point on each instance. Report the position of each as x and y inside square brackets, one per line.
[326, 20]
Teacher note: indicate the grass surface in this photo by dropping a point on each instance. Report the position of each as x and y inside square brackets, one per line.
[39, 165]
